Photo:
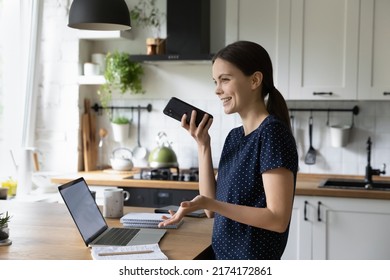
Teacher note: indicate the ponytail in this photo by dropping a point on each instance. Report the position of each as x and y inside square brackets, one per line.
[277, 106]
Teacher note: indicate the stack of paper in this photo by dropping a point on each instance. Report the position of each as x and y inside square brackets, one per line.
[145, 220]
[136, 252]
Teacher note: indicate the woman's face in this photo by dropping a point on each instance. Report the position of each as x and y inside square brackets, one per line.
[234, 89]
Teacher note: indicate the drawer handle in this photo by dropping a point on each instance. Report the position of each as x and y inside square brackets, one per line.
[305, 211]
[322, 93]
[386, 93]
[319, 211]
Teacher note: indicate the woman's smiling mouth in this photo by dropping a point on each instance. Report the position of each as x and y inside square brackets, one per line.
[225, 100]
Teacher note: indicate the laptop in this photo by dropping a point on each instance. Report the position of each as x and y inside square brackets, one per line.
[92, 225]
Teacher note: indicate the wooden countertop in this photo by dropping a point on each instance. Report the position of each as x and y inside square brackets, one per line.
[117, 178]
[307, 184]
[45, 231]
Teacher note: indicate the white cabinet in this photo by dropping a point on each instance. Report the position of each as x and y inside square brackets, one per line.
[324, 49]
[339, 228]
[267, 23]
[313, 44]
[374, 54]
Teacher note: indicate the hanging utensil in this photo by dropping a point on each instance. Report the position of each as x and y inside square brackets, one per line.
[292, 123]
[139, 152]
[310, 157]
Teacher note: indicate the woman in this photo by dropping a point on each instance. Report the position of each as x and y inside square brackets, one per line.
[252, 198]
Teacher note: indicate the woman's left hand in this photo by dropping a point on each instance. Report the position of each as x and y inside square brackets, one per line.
[185, 208]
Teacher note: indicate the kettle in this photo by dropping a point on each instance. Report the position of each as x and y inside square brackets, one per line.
[162, 156]
[121, 159]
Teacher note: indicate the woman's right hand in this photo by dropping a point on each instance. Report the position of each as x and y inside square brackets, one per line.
[199, 133]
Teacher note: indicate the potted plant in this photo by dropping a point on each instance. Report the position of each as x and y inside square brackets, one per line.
[4, 230]
[147, 15]
[120, 128]
[121, 74]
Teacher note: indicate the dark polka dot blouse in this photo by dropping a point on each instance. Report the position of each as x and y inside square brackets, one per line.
[243, 160]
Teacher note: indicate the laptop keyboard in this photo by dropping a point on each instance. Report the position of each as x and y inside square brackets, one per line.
[118, 236]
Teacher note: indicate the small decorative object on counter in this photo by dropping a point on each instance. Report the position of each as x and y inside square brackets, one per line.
[11, 185]
[163, 155]
[4, 230]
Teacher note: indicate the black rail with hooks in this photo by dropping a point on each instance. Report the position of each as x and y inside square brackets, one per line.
[98, 108]
[354, 110]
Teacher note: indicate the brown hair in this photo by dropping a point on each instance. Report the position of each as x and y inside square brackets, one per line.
[250, 57]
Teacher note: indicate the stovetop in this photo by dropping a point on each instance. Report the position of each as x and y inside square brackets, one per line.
[167, 174]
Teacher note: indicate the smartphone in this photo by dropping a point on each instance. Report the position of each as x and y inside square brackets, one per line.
[176, 108]
[195, 214]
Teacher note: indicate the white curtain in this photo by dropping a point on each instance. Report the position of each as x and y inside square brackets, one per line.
[19, 29]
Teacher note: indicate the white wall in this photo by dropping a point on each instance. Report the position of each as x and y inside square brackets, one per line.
[57, 135]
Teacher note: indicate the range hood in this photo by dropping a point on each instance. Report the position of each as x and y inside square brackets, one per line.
[188, 32]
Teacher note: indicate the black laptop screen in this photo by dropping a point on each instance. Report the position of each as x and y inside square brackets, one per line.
[83, 209]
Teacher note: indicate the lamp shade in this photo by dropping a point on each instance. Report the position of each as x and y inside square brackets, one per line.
[99, 15]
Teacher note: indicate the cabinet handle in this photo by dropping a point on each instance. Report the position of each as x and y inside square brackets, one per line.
[386, 93]
[322, 93]
[319, 211]
[305, 211]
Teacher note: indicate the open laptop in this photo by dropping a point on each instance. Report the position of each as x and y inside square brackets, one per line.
[91, 224]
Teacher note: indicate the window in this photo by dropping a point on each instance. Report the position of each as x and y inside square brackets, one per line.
[18, 27]
[1, 77]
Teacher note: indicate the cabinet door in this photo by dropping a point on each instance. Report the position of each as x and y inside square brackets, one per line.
[267, 23]
[351, 229]
[299, 240]
[374, 55]
[324, 49]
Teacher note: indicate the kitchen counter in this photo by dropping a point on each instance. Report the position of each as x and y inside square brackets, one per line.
[46, 231]
[307, 184]
[116, 178]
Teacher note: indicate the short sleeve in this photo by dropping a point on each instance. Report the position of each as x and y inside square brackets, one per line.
[278, 148]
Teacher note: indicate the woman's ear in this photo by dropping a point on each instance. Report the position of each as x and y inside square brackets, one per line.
[257, 79]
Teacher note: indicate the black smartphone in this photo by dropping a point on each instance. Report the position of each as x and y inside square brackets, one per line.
[196, 214]
[176, 108]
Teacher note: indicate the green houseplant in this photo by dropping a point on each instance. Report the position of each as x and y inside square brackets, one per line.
[120, 128]
[148, 16]
[121, 75]
[4, 230]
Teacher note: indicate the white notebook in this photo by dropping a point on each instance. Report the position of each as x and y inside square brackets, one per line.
[135, 252]
[143, 217]
[146, 220]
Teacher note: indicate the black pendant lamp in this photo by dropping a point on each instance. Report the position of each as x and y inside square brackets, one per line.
[99, 15]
